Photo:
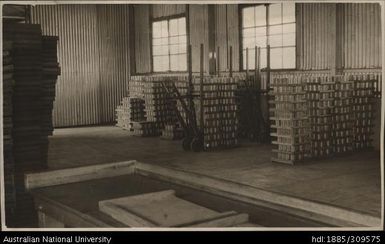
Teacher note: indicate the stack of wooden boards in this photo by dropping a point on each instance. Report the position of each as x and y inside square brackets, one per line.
[35, 73]
[9, 167]
[164, 209]
[51, 71]
[332, 114]
[220, 122]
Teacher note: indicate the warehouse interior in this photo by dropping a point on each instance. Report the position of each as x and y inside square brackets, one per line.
[258, 115]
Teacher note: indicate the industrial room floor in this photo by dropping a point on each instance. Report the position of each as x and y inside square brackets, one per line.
[352, 181]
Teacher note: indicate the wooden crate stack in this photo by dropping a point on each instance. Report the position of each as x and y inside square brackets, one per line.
[320, 102]
[342, 124]
[51, 71]
[220, 112]
[363, 110]
[9, 169]
[31, 106]
[290, 122]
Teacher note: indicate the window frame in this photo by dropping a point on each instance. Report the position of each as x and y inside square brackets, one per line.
[168, 18]
[240, 10]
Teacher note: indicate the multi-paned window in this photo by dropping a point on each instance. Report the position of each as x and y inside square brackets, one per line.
[272, 24]
[169, 45]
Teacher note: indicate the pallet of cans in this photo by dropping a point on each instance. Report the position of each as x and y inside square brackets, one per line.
[363, 110]
[130, 110]
[342, 129]
[144, 129]
[220, 122]
[320, 101]
[289, 120]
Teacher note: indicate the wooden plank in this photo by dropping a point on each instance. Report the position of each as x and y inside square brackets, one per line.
[157, 209]
[46, 221]
[227, 221]
[320, 212]
[72, 175]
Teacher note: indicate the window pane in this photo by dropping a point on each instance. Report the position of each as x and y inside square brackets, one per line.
[260, 41]
[173, 27]
[289, 39]
[182, 26]
[276, 58]
[164, 28]
[288, 11]
[288, 57]
[276, 29]
[182, 48]
[164, 41]
[275, 14]
[288, 28]
[260, 31]
[156, 42]
[275, 40]
[249, 32]
[174, 49]
[182, 39]
[160, 50]
[260, 15]
[248, 17]
[174, 40]
[248, 42]
[160, 63]
[156, 30]
[183, 62]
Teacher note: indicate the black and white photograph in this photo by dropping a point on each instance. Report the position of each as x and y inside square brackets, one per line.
[200, 115]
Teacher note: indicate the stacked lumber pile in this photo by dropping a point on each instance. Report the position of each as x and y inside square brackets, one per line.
[51, 71]
[9, 167]
[289, 122]
[219, 112]
[35, 73]
[363, 110]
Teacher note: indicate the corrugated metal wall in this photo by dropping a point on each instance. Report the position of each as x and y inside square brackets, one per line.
[361, 35]
[199, 33]
[77, 101]
[161, 10]
[142, 38]
[92, 77]
[315, 37]
[114, 57]
[227, 34]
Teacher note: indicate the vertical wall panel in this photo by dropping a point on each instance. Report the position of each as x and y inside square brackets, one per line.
[314, 34]
[221, 37]
[199, 34]
[142, 38]
[78, 55]
[162, 10]
[93, 71]
[114, 56]
[362, 35]
[233, 33]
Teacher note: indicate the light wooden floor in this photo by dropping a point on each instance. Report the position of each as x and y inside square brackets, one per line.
[351, 181]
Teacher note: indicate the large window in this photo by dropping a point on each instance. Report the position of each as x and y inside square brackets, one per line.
[169, 45]
[272, 24]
